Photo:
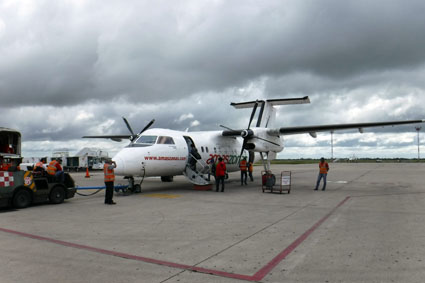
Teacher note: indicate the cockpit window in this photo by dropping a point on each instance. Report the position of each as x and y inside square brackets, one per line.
[147, 140]
[165, 140]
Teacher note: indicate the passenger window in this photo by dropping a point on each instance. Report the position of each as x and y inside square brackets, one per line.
[165, 140]
[206, 149]
[202, 148]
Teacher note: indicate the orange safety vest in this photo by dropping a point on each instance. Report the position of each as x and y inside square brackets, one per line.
[324, 167]
[39, 164]
[250, 167]
[51, 169]
[109, 173]
[242, 165]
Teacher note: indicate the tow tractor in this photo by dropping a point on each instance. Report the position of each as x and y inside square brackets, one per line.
[22, 188]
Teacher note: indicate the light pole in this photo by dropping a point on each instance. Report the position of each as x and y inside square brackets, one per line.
[419, 152]
[332, 146]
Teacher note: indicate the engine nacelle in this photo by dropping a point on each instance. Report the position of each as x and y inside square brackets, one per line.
[262, 146]
[261, 141]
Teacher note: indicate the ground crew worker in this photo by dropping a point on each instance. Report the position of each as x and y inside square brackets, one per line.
[250, 170]
[109, 178]
[220, 173]
[41, 165]
[55, 169]
[243, 166]
[323, 172]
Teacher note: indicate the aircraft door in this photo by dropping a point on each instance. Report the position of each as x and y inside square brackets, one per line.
[191, 160]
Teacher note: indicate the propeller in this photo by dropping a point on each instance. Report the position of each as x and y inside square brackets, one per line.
[133, 135]
[248, 133]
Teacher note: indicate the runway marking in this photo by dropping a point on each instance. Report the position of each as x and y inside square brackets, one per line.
[161, 196]
[259, 275]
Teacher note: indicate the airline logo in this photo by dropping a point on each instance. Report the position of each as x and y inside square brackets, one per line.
[6, 179]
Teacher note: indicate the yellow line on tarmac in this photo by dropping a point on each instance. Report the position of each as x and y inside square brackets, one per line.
[161, 196]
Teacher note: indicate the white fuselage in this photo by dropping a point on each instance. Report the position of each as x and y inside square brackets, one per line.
[163, 152]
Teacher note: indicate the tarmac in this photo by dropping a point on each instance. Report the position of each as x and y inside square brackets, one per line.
[368, 226]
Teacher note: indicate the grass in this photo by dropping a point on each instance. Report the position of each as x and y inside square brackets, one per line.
[362, 160]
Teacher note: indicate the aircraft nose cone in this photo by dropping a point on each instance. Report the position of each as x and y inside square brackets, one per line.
[120, 169]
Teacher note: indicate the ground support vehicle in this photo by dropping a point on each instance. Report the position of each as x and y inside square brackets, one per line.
[22, 188]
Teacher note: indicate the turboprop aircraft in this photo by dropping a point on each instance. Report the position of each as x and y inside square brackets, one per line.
[166, 153]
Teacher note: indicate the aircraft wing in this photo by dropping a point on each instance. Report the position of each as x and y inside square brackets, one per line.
[112, 137]
[327, 128]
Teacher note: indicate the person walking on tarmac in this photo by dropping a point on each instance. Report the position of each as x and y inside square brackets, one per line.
[243, 166]
[55, 169]
[250, 170]
[323, 172]
[109, 177]
[220, 173]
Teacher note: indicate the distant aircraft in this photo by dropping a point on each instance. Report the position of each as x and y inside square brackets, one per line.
[166, 153]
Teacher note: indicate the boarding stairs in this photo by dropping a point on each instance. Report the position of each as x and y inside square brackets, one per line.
[200, 175]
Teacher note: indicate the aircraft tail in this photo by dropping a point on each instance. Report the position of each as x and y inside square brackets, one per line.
[267, 113]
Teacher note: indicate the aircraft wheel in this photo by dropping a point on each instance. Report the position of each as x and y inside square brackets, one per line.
[22, 199]
[57, 195]
[137, 189]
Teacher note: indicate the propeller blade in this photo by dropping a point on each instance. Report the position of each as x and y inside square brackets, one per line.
[128, 126]
[227, 128]
[266, 141]
[252, 114]
[243, 147]
[147, 126]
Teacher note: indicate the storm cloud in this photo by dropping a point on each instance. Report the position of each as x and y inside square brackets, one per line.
[182, 63]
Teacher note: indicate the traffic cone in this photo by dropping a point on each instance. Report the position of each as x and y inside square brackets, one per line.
[87, 173]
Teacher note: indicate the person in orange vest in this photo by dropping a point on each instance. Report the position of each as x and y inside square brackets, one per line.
[250, 170]
[220, 173]
[41, 165]
[55, 169]
[109, 178]
[243, 165]
[323, 173]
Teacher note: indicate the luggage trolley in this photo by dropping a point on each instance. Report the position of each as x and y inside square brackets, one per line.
[269, 180]
[285, 181]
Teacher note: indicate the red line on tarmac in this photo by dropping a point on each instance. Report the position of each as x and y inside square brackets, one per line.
[259, 275]
[129, 256]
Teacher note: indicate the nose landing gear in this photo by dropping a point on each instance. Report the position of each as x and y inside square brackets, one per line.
[132, 187]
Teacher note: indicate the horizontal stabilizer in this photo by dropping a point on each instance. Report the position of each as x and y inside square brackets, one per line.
[288, 101]
[283, 101]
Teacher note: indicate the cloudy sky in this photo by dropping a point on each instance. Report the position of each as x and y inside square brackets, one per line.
[73, 68]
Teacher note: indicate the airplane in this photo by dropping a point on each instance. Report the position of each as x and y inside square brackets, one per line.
[166, 153]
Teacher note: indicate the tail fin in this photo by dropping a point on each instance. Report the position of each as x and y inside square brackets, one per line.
[267, 114]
